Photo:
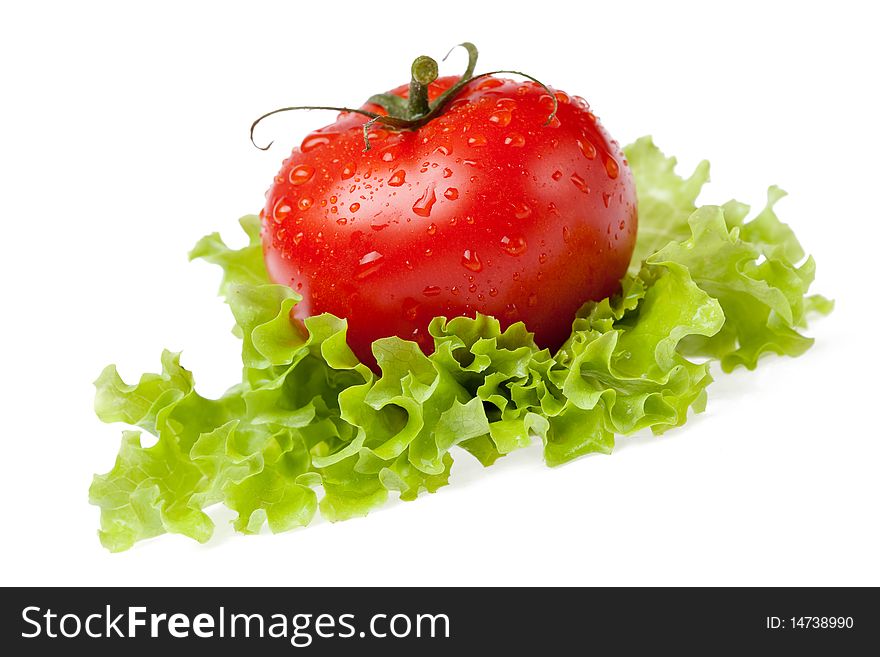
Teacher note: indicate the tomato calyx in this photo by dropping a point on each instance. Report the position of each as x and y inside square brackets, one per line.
[416, 110]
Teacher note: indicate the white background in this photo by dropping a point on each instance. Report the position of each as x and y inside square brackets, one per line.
[124, 139]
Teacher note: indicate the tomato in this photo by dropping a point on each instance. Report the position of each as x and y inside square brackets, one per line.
[485, 208]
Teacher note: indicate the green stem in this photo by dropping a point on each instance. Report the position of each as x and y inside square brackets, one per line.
[416, 110]
[369, 115]
[424, 72]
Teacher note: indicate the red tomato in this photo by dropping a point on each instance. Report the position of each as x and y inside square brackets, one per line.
[483, 209]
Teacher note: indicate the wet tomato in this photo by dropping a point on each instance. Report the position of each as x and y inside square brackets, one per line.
[486, 208]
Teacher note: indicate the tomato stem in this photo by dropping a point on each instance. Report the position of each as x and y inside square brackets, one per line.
[370, 115]
[424, 72]
[416, 110]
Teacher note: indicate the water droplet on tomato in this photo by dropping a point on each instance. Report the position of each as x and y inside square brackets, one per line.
[514, 245]
[423, 339]
[431, 291]
[506, 103]
[521, 211]
[471, 261]
[500, 117]
[454, 289]
[580, 183]
[546, 101]
[566, 235]
[621, 225]
[612, 168]
[472, 288]
[587, 148]
[342, 221]
[315, 140]
[511, 312]
[354, 207]
[542, 258]
[301, 174]
[476, 141]
[606, 199]
[425, 202]
[432, 230]
[556, 175]
[443, 150]
[378, 223]
[298, 238]
[304, 203]
[369, 264]
[429, 253]
[397, 178]
[378, 134]
[389, 155]
[493, 292]
[489, 83]
[515, 139]
[533, 300]
[451, 193]
[348, 170]
[281, 210]
[410, 308]
[562, 98]
[447, 172]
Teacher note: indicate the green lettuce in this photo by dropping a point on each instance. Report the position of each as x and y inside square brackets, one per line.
[310, 428]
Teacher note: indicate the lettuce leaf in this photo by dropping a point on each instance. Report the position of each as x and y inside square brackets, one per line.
[666, 200]
[309, 428]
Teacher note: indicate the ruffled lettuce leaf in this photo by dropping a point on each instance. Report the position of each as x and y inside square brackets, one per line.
[758, 284]
[666, 200]
[309, 428]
